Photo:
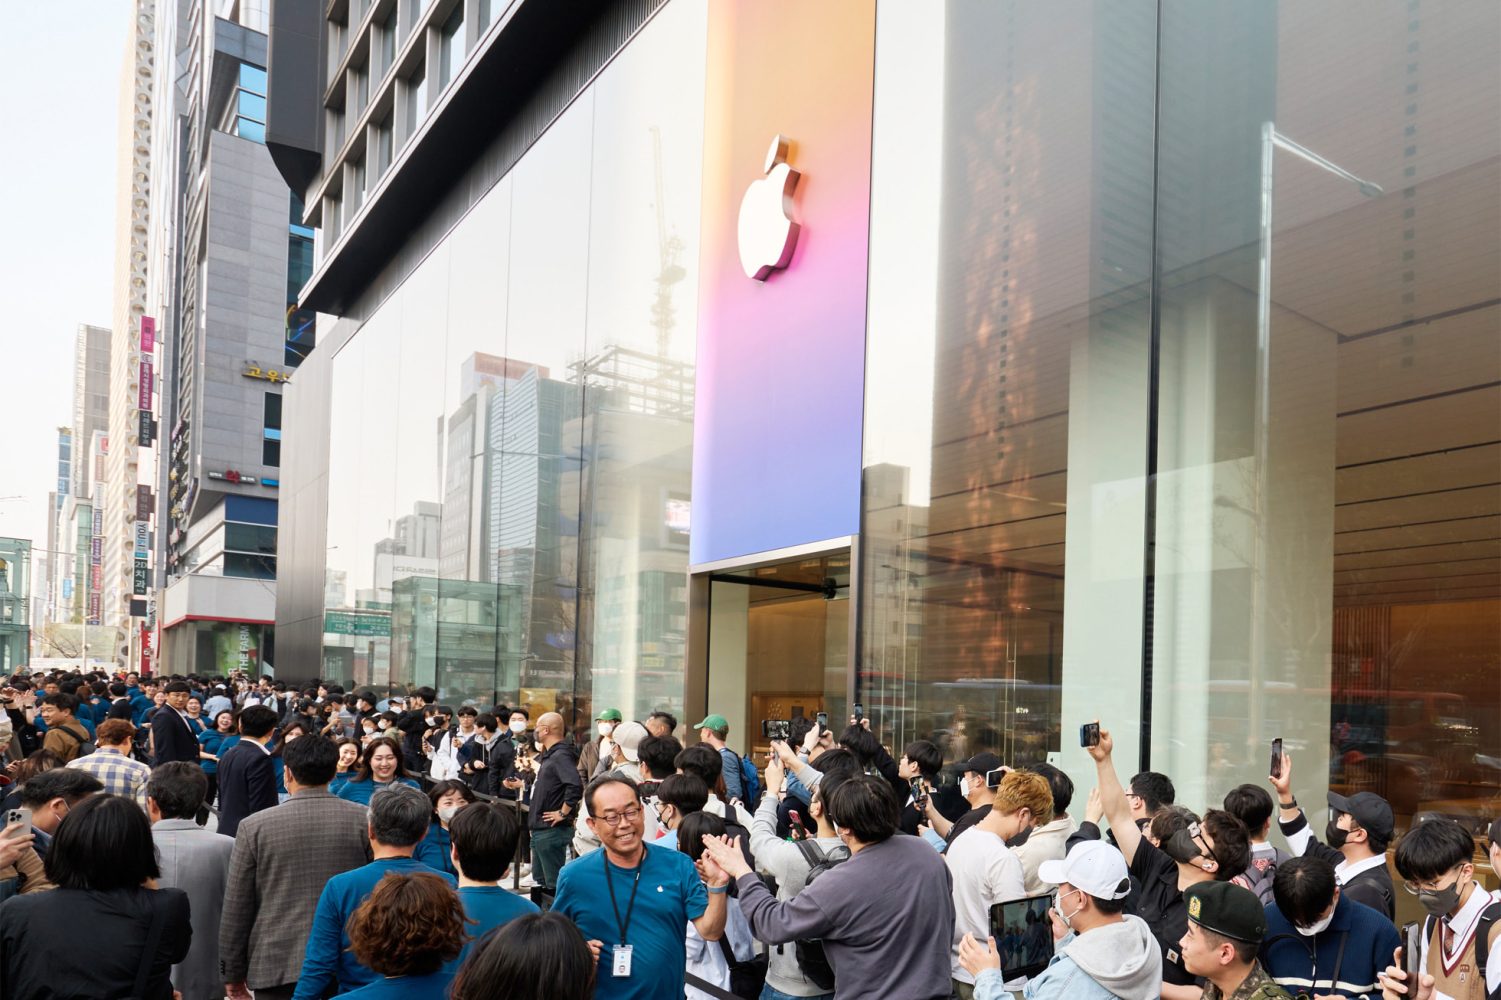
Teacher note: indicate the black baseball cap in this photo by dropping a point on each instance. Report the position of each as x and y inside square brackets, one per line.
[1370, 810]
[1226, 909]
[981, 763]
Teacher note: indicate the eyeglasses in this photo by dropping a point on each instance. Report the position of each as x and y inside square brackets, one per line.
[625, 816]
[1414, 888]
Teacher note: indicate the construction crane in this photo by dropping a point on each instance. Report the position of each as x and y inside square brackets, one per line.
[669, 249]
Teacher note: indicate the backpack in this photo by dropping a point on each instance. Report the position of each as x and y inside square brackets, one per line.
[810, 954]
[1483, 929]
[750, 784]
[85, 745]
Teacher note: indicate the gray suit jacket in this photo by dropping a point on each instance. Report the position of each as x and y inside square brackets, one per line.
[282, 858]
[197, 862]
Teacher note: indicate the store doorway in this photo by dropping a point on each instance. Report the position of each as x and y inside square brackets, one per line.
[779, 637]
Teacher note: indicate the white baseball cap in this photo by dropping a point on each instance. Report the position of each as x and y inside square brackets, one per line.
[1093, 866]
[628, 736]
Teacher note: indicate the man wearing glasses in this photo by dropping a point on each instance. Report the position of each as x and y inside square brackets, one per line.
[632, 900]
[1463, 928]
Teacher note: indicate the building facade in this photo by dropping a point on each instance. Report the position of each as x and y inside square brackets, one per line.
[995, 368]
[230, 254]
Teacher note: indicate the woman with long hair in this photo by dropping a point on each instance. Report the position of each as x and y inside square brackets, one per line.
[448, 797]
[541, 956]
[380, 767]
[104, 863]
[23, 771]
[214, 743]
[408, 929]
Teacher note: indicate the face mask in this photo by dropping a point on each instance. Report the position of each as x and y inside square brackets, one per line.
[964, 787]
[1067, 918]
[605, 728]
[1317, 927]
[1182, 848]
[539, 747]
[1336, 836]
[518, 726]
[447, 813]
[606, 749]
[1440, 901]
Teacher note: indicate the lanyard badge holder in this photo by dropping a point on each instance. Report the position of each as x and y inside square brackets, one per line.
[620, 966]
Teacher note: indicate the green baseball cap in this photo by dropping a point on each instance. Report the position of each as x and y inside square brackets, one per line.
[1226, 909]
[715, 722]
[608, 715]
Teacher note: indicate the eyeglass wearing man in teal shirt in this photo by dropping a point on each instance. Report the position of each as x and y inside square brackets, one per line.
[633, 900]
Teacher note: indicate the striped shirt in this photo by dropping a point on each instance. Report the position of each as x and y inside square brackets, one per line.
[120, 775]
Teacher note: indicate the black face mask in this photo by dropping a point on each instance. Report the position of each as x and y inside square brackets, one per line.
[1183, 848]
[1334, 835]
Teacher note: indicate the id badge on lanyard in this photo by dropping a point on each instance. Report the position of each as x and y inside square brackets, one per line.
[622, 963]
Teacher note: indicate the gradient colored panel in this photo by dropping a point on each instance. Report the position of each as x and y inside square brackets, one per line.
[777, 424]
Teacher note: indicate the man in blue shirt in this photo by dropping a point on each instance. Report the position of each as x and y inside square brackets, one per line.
[633, 900]
[399, 818]
[1318, 940]
[483, 840]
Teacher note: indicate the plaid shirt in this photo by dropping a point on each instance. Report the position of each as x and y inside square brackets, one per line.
[120, 775]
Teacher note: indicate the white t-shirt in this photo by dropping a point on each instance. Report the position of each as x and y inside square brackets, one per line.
[985, 872]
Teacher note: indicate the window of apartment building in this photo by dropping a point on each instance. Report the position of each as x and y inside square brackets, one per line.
[416, 99]
[383, 145]
[337, 33]
[359, 89]
[250, 104]
[451, 46]
[355, 195]
[271, 431]
[387, 43]
[335, 128]
[301, 323]
[486, 13]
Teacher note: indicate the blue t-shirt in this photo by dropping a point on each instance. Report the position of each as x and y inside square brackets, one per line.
[429, 987]
[361, 791]
[670, 894]
[490, 906]
[328, 958]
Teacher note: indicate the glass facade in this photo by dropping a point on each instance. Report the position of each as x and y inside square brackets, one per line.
[1180, 410]
[512, 429]
[1182, 391]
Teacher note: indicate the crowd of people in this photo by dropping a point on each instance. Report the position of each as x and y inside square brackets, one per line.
[196, 838]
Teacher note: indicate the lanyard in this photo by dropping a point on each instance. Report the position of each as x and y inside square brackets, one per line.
[629, 906]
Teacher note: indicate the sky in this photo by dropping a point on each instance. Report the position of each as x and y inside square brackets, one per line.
[59, 83]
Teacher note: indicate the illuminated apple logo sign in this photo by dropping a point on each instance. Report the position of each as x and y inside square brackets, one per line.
[767, 233]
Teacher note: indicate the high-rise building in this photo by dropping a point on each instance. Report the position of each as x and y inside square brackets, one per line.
[125, 537]
[91, 373]
[230, 254]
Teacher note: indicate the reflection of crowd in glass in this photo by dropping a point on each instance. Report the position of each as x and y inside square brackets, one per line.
[229, 837]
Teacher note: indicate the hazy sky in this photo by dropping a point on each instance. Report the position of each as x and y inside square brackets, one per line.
[59, 79]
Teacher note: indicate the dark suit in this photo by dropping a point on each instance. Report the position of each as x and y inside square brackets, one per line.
[282, 858]
[172, 737]
[247, 784]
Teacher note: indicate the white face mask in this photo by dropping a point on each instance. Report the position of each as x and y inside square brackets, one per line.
[606, 749]
[964, 787]
[518, 726]
[605, 728]
[539, 746]
[1317, 927]
[1067, 918]
[447, 813]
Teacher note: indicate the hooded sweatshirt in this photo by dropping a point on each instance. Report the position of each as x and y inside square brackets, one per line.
[1117, 960]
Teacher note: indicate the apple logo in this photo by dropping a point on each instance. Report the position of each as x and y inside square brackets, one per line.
[767, 233]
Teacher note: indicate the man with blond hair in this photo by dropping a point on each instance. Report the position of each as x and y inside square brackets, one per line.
[112, 764]
[985, 871]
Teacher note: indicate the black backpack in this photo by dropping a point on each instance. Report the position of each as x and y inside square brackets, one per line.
[85, 744]
[810, 954]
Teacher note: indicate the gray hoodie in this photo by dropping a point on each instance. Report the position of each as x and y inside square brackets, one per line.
[1117, 960]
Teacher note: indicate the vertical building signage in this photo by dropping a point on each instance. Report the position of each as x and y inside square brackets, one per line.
[782, 358]
[144, 402]
[142, 539]
[148, 334]
[143, 502]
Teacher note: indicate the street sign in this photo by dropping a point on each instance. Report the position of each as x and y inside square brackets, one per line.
[357, 623]
[140, 578]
